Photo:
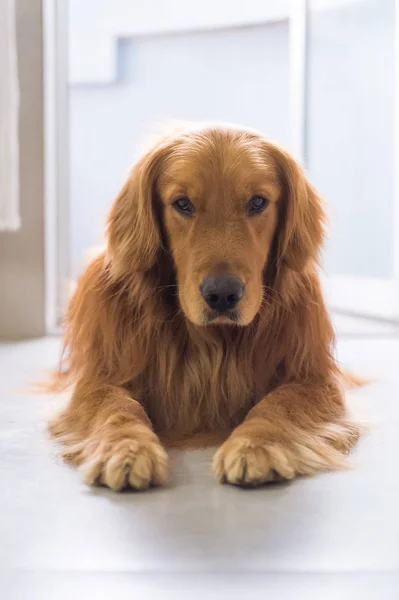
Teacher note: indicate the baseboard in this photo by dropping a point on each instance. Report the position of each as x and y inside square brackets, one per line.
[363, 295]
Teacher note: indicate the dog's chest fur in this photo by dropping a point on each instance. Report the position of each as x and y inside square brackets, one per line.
[197, 385]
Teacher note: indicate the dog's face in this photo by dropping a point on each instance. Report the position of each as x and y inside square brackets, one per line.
[220, 203]
[220, 199]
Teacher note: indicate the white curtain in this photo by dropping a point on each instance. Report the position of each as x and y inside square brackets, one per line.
[9, 105]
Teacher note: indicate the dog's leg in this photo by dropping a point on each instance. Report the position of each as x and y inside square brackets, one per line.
[297, 429]
[109, 434]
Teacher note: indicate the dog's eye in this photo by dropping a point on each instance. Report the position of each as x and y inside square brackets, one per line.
[256, 204]
[184, 206]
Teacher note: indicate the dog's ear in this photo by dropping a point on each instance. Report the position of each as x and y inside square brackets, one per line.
[133, 232]
[301, 226]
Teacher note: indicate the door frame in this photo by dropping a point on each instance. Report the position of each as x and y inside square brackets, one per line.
[56, 159]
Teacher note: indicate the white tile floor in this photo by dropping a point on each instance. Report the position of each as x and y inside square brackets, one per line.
[335, 535]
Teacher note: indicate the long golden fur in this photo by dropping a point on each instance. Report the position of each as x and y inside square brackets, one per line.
[151, 365]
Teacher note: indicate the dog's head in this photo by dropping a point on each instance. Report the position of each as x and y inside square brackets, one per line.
[225, 204]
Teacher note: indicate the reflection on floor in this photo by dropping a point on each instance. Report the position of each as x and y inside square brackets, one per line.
[335, 534]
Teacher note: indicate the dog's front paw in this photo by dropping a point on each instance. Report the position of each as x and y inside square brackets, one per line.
[253, 459]
[243, 461]
[137, 461]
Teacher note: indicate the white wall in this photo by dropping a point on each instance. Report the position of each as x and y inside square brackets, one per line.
[97, 24]
[351, 127]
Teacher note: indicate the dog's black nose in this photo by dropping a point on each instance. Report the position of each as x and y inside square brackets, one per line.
[222, 292]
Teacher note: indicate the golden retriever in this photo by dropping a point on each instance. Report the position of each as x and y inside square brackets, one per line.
[203, 319]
